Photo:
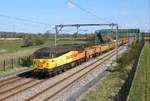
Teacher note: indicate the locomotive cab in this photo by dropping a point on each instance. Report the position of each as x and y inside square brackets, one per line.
[43, 60]
[49, 57]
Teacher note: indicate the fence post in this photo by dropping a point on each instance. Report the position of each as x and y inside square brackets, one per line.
[4, 66]
[12, 63]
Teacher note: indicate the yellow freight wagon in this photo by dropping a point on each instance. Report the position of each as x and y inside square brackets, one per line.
[90, 51]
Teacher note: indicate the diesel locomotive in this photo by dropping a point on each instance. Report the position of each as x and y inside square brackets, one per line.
[57, 59]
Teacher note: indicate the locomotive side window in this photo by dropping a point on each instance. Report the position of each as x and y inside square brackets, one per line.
[41, 55]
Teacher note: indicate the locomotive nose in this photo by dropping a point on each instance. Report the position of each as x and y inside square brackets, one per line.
[39, 63]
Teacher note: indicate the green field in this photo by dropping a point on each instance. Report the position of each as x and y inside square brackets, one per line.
[139, 91]
[8, 46]
[12, 48]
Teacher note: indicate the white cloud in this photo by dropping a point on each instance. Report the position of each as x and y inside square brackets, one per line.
[70, 5]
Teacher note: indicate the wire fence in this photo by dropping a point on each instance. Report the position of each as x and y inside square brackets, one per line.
[15, 62]
[124, 91]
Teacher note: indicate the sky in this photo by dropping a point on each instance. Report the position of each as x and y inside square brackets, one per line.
[126, 13]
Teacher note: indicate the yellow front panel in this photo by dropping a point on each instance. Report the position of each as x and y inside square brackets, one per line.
[40, 63]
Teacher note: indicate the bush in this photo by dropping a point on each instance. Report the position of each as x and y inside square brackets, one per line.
[90, 41]
[26, 61]
[127, 58]
[39, 41]
[28, 41]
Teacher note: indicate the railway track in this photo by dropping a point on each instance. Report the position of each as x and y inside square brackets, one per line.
[13, 85]
[9, 80]
[9, 85]
[54, 88]
[13, 79]
[64, 83]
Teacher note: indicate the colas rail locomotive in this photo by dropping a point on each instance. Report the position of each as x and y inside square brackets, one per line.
[57, 59]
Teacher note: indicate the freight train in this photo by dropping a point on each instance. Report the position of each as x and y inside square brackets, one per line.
[57, 59]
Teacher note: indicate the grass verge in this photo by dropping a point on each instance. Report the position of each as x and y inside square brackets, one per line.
[139, 91]
[110, 86]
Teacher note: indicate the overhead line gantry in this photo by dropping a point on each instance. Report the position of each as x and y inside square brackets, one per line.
[58, 28]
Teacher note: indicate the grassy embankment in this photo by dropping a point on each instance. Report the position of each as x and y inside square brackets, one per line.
[110, 86]
[140, 90]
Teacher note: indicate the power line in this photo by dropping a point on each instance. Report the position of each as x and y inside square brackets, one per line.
[24, 20]
[87, 11]
[9, 23]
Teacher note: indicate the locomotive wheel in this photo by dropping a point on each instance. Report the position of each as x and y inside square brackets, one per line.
[78, 63]
[41, 74]
[72, 64]
[53, 74]
[35, 74]
[64, 69]
[82, 60]
[50, 73]
[60, 71]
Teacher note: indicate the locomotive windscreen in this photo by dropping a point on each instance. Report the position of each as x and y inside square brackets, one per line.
[41, 55]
